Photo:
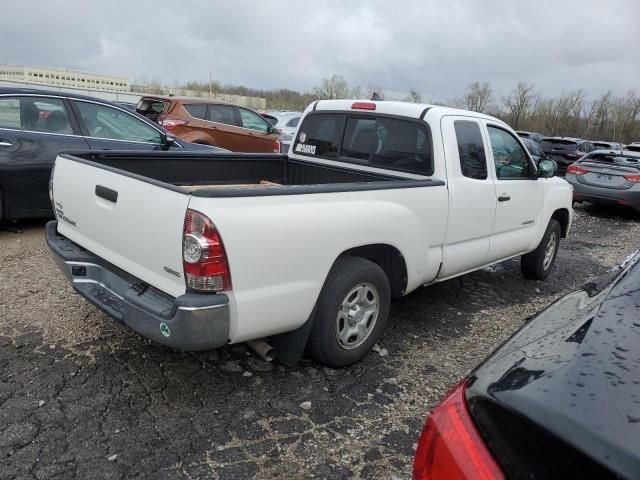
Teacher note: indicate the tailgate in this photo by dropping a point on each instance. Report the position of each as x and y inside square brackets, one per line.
[129, 222]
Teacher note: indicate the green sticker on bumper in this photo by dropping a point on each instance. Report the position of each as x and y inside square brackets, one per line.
[164, 329]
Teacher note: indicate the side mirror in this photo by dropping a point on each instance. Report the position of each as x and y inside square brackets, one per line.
[168, 140]
[547, 168]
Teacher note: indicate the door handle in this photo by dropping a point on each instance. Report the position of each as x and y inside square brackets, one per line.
[4, 143]
[504, 198]
[106, 193]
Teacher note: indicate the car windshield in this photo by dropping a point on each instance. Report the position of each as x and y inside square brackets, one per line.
[548, 145]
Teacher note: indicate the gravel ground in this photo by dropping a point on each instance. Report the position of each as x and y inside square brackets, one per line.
[82, 398]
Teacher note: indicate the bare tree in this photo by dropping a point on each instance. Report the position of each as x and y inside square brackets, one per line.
[413, 96]
[478, 97]
[519, 103]
[332, 88]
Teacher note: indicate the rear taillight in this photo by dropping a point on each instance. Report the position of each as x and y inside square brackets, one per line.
[450, 446]
[632, 178]
[170, 124]
[276, 146]
[204, 258]
[576, 169]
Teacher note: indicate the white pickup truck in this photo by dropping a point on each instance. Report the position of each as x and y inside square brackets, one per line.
[374, 200]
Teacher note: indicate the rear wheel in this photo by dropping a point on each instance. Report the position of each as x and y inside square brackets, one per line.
[538, 264]
[351, 313]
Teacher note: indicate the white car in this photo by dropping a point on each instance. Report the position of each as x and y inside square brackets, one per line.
[374, 200]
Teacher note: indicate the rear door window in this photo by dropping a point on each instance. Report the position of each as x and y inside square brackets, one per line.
[197, 110]
[222, 114]
[473, 161]
[38, 114]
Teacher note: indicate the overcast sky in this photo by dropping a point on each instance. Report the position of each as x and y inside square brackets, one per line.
[435, 47]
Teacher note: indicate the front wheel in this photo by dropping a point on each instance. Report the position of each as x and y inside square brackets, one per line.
[537, 265]
[351, 312]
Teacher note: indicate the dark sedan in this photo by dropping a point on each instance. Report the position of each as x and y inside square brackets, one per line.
[565, 150]
[560, 399]
[608, 178]
[36, 125]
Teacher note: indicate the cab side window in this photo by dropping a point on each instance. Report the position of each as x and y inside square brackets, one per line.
[473, 161]
[510, 158]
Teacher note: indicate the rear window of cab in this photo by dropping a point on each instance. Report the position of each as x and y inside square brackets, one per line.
[373, 140]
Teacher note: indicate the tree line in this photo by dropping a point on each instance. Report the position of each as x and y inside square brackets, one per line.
[573, 113]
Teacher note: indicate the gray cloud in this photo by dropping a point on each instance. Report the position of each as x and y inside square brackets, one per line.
[436, 47]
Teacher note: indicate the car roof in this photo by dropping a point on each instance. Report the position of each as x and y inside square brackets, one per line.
[569, 139]
[405, 109]
[617, 151]
[52, 93]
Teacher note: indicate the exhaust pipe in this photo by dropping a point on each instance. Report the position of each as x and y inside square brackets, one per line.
[263, 349]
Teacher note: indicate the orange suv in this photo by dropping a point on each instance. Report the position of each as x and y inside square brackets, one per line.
[206, 121]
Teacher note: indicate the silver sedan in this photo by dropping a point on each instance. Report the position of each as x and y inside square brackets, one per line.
[607, 177]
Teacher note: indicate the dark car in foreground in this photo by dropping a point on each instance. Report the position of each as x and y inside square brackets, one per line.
[565, 150]
[607, 178]
[560, 399]
[36, 125]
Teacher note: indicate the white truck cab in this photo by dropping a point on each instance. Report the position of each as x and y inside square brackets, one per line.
[374, 200]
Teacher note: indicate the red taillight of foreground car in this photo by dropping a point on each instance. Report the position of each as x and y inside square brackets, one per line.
[205, 263]
[450, 447]
[170, 124]
[276, 146]
[576, 169]
[632, 178]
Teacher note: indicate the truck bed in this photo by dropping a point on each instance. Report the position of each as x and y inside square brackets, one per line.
[242, 174]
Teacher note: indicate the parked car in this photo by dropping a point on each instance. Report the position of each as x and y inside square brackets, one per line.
[536, 137]
[286, 122]
[36, 125]
[633, 147]
[606, 177]
[602, 145]
[374, 200]
[209, 122]
[560, 399]
[534, 150]
[565, 150]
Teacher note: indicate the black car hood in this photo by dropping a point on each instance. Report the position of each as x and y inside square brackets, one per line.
[574, 370]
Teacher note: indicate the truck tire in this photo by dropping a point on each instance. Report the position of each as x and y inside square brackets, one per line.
[537, 265]
[351, 312]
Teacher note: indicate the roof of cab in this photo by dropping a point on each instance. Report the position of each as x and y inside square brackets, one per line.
[405, 109]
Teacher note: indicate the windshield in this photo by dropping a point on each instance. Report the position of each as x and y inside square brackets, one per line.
[568, 145]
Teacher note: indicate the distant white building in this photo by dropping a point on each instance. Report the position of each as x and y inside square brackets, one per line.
[62, 77]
